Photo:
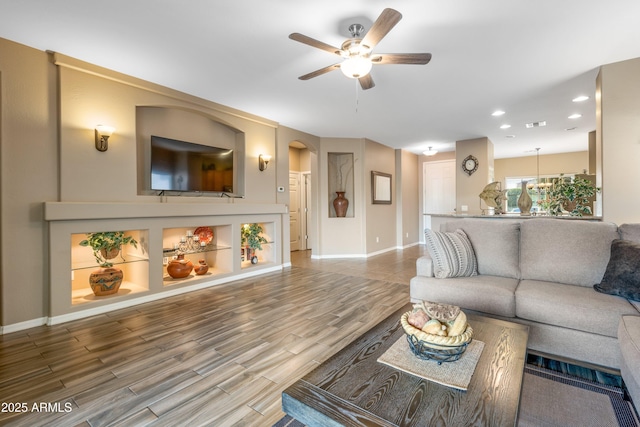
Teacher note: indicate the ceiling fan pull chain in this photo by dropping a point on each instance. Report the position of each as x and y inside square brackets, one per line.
[357, 94]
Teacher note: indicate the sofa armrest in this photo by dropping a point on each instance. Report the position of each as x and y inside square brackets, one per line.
[424, 266]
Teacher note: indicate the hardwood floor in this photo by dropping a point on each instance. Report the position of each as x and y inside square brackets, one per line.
[219, 356]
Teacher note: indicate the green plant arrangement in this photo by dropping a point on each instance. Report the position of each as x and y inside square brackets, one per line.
[251, 236]
[571, 195]
[106, 245]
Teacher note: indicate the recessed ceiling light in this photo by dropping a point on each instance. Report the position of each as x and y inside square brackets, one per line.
[575, 116]
[497, 113]
[505, 126]
[580, 98]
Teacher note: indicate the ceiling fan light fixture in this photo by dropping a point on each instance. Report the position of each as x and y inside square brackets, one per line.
[430, 152]
[356, 67]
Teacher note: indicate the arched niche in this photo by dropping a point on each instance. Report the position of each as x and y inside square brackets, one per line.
[190, 126]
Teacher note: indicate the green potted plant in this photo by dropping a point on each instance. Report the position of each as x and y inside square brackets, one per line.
[572, 196]
[106, 246]
[252, 240]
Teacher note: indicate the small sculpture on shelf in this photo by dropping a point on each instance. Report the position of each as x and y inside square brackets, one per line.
[493, 195]
[195, 241]
[106, 246]
[201, 268]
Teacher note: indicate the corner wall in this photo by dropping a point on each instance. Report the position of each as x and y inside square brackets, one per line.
[381, 228]
[28, 176]
[618, 139]
[468, 187]
[408, 206]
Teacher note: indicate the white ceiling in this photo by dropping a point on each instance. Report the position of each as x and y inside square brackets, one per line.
[529, 58]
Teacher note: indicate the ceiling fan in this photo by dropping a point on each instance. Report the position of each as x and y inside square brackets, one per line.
[357, 51]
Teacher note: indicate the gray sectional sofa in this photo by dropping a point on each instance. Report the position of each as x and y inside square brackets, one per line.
[541, 272]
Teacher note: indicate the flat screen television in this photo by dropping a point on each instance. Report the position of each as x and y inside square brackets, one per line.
[187, 167]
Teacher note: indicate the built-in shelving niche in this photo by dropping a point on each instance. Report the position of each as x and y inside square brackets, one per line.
[134, 263]
[217, 252]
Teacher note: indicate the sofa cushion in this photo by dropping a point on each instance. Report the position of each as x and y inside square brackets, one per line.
[629, 340]
[452, 254]
[569, 251]
[424, 266]
[488, 294]
[496, 243]
[622, 276]
[630, 232]
[575, 307]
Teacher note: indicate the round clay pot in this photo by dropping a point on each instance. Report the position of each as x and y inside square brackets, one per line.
[106, 281]
[201, 268]
[110, 254]
[179, 268]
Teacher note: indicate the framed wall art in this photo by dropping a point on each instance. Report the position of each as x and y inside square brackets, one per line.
[380, 188]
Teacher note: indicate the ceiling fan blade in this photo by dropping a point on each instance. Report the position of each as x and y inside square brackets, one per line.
[385, 22]
[366, 82]
[401, 58]
[320, 72]
[314, 43]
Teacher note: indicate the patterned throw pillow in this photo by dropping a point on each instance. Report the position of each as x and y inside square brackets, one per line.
[452, 254]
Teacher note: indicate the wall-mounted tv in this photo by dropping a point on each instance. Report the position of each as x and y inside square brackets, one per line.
[187, 167]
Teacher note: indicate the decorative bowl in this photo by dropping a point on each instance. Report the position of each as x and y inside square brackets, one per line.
[435, 347]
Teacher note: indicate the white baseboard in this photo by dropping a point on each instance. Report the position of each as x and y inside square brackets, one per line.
[16, 327]
[380, 252]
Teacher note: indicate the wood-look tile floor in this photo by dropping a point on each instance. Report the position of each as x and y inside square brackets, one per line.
[218, 357]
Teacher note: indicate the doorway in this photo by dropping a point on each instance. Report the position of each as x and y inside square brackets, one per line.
[439, 187]
[299, 196]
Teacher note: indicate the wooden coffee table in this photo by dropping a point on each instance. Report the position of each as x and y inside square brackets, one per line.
[353, 389]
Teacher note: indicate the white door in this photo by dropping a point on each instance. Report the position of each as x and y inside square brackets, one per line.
[439, 186]
[305, 208]
[294, 210]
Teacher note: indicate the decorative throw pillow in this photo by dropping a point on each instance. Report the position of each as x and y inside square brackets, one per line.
[622, 276]
[452, 254]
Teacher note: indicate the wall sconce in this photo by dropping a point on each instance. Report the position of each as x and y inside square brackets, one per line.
[263, 161]
[102, 134]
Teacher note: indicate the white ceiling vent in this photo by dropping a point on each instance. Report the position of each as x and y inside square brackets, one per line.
[536, 124]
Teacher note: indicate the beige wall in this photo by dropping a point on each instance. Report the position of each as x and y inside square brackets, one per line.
[342, 236]
[618, 138]
[299, 159]
[550, 164]
[408, 204]
[29, 176]
[381, 231]
[468, 187]
[90, 95]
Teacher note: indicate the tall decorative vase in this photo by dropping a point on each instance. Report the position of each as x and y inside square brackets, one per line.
[524, 201]
[340, 204]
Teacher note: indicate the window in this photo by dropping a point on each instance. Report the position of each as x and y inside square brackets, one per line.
[537, 192]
